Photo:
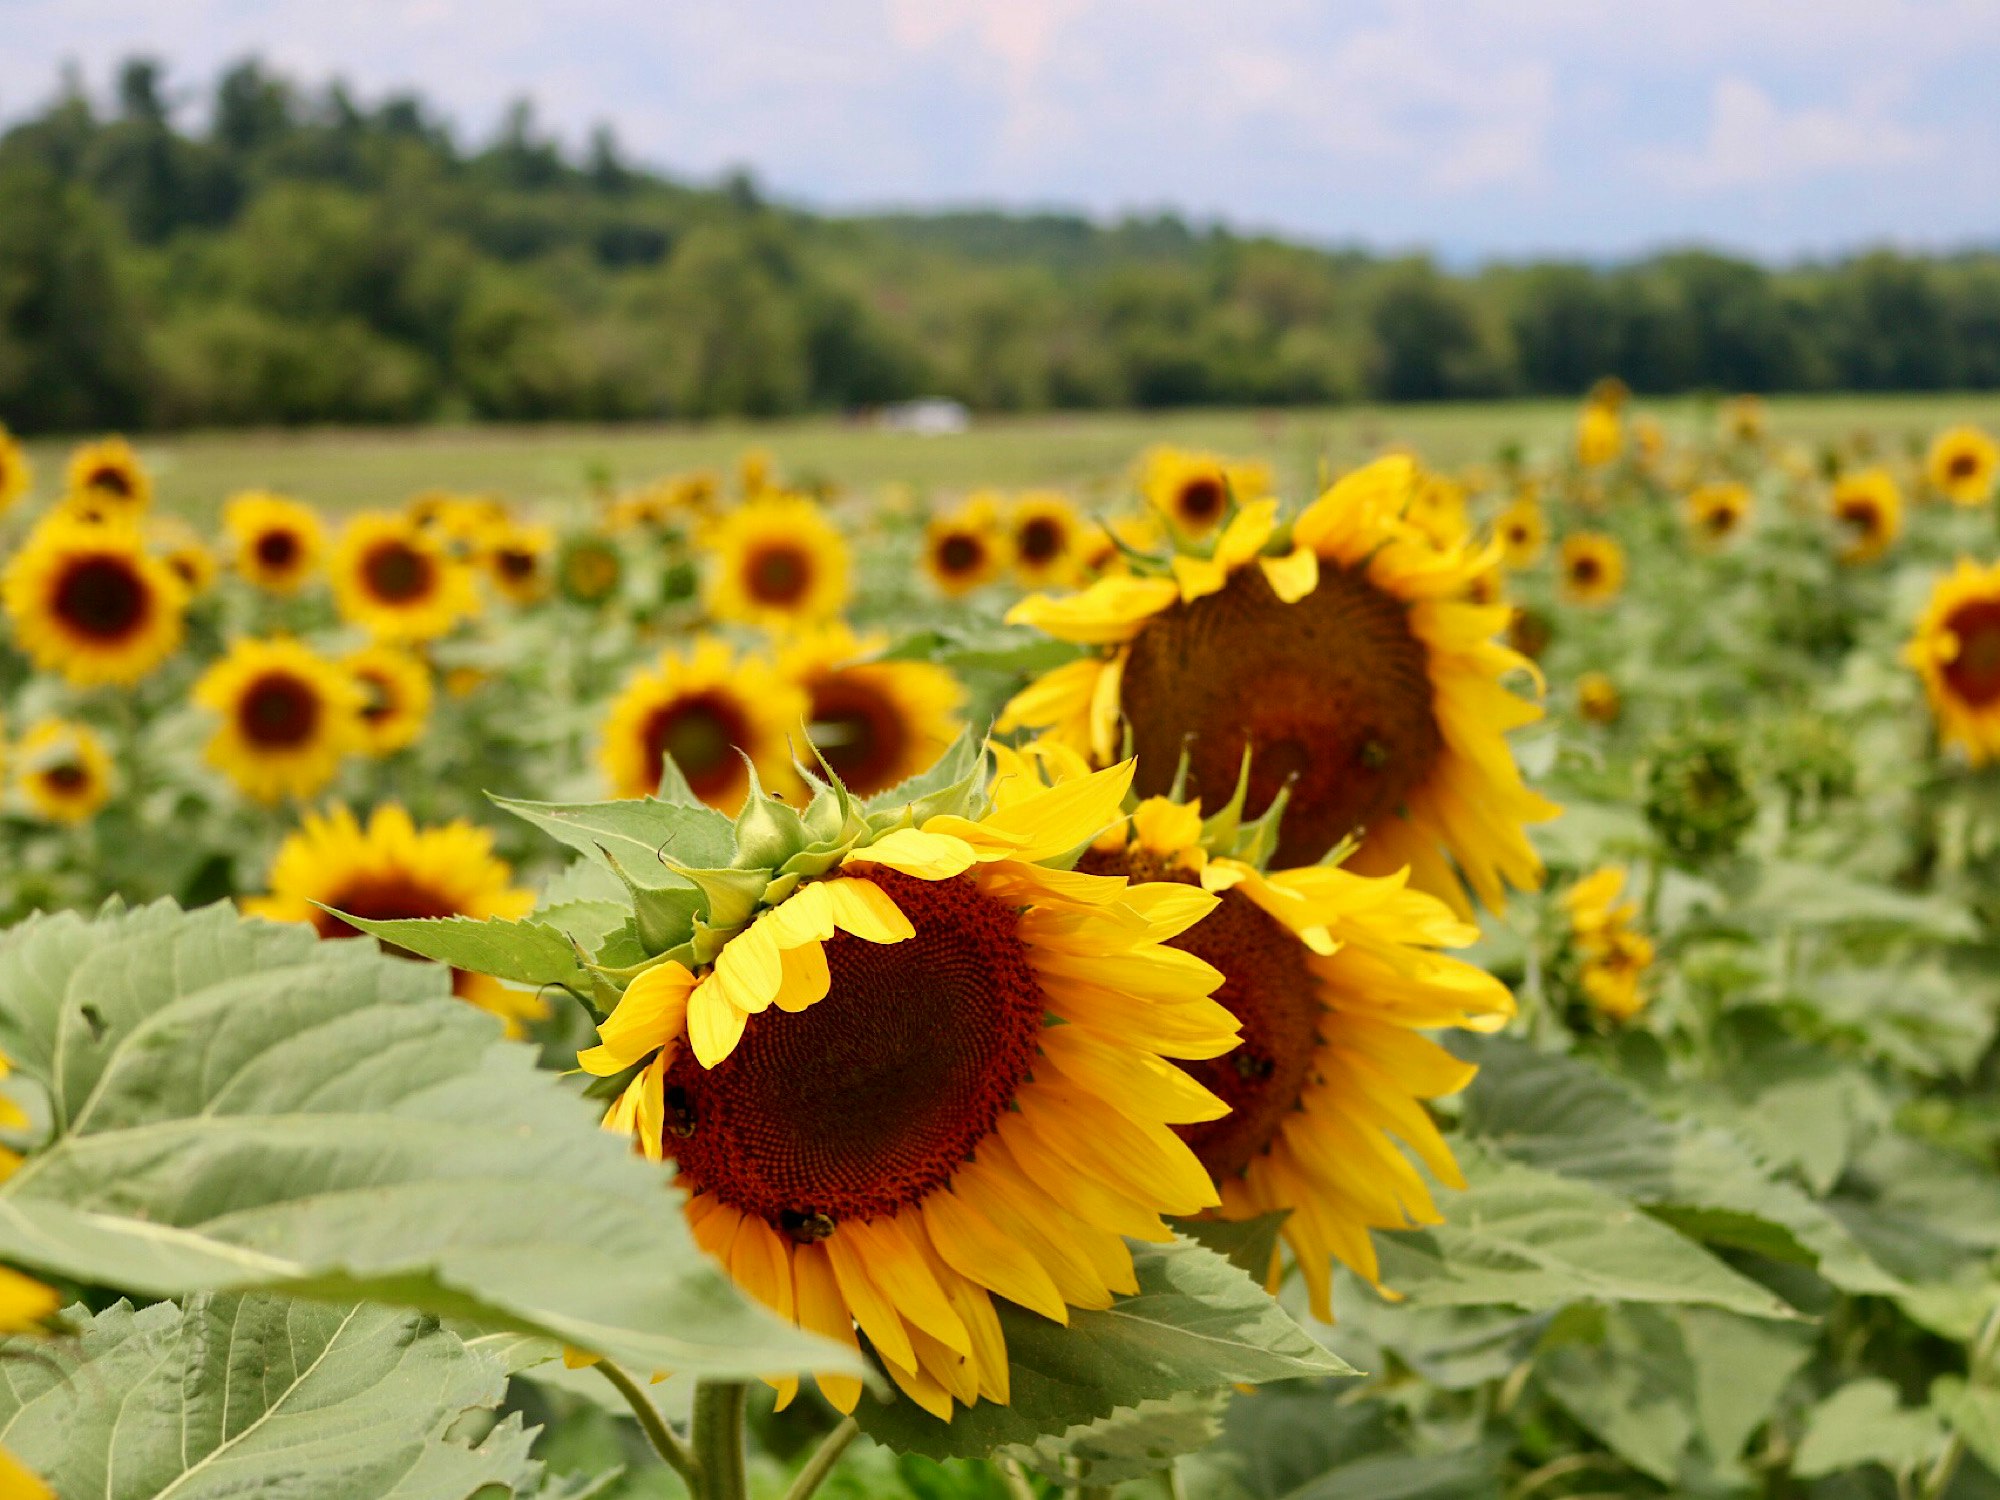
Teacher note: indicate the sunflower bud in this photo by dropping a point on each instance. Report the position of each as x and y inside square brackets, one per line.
[1698, 799]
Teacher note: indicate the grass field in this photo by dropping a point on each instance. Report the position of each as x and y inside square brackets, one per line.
[357, 467]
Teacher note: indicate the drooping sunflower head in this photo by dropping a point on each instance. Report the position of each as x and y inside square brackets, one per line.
[1046, 538]
[1592, 568]
[590, 569]
[1598, 700]
[874, 723]
[91, 602]
[63, 771]
[181, 548]
[519, 560]
[107, 478]
[1613, 957]
[965, 550]
[1956, 652]
[1600, 435]
[1522, 530]
[390, 869]
[398, 581]
[776, 561]
[1717, 512]
[706, 709]
[1195, 491]
[17, 475]
[1868, 508]
[287, 716]
[396, 696]
[1350, 666]
[904, 1067]
[1962, 464]
[275, 542]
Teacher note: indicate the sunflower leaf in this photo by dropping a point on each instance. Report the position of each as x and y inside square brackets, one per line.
[1131, 1443]
[521, 952]
[236, 1106]
[638, 831]
[263, 1395]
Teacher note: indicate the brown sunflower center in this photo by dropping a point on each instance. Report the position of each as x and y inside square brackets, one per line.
[397, 573]
[278, 711]
[187, 568]
[1586, 570]
[1721, 520]
[1862, 514]
[103, 597]
[110, 480]
[860, 730]
[515, 563]
[1974, 673]
[66, 778]
[1962, 464]
[960, 554]
[701, 732]
[871, 1099]
[277, 549]
[1331, 694]
[1202, 499]
[1040, 539]
[378, 696]
[778, 575]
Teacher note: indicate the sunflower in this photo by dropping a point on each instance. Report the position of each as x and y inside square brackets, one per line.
[275, 542]
[1961, 465]
[1957, 654]
[1437, 509]
[180, 546]
[25, 1305]
[1104, 548]
[461, 522]
[518, 560]
[391, 870]
[89, 601]
[1350, 667]
[288, 716]
[107, 479]
[875, 723]
[1332, 977]
[590, 569]
[964, 551]
[1744, 419]
[1869, 508]
[1046, 536]
[63, 771]
[933, 1073]
[396, 696]
[1614, 957]
[397, 581]
[708, 709]
[1592, 568]
[1598, 700]
[1600, 435]
[777, 562]
[1194, 491]
[17, 476]
[1717, 511]
[1522, 531]
[12, 1118]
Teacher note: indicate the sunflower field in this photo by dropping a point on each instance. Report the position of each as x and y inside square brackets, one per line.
[1419, 983]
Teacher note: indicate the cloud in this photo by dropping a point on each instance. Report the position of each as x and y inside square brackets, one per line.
[1751, 142]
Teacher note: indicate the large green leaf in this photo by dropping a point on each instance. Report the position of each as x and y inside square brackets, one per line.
[1864, 1423]
[1129, 1444]
[1197, 1323]
[1297, 1445]
[236, 1106]
[264, 1396]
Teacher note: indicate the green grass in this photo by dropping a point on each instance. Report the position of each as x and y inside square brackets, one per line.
[349, 468]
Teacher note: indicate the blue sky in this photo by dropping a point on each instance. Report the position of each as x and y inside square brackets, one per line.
[1472, 127]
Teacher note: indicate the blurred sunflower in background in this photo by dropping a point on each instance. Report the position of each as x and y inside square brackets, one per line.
[1956, 652]
[708, 708]
[390, 870]
[1598, 700]
[1194, 491]
[1962, 464]
[397, 581]
[1350, 668]
[89, 601]
[590, 569]
[1868, 508]
[519, 559]
[875, 723]
[396, 696]
[1600, 434]
[1522, 530]
[275, 542]
[939, 1074]
[181, 547]
[63, 771]
[25, 1306]
[17, 476]
[1592, 568]
[1717, 512]
[1046, 537]
[965, 550]
[1614, 957]
[1744, 419]
[107, 481]
[288, 716]
[776, 561]
[1106, 544]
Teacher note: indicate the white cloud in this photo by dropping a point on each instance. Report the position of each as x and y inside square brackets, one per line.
[1752, 142]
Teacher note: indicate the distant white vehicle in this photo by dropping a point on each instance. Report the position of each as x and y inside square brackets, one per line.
[933, 416]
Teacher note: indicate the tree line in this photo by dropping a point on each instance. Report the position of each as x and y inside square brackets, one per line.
[291, 255]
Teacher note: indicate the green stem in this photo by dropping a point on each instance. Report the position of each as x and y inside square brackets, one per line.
[1976, 1360]
[665, 1441]
[813, 1475]
[718, 1439]
[1017, 1484]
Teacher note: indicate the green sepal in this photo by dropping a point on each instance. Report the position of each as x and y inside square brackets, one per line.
[767, 831]
[731, 897]
[1257, 840]
[952, 785]
[1219, 828]
[662, 915]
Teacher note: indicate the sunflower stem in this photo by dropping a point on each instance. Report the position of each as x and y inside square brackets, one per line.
[666, 1442]
[813, 1475]
[718, 1440]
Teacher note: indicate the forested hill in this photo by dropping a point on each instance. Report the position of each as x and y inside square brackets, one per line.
[286, 254]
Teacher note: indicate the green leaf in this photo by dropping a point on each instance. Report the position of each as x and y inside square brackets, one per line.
[1294, 1444]
[1196, 1324]
[588, 924]
[1129, 1444]
[636, 832]
[953, 771]
[1974, 1414]
[237, 1106]
[530, 952]
[1863, 1423]
[265, 1396]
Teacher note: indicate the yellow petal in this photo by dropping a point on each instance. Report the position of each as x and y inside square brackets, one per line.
[714, 1025]
[1294, 576]
[807, 978]
[975, 1247]
[822, 1310]
[872, 1308]
[863, 908]
[928, 856]
[648, 1015]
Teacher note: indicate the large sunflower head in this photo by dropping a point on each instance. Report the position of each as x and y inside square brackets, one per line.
[390, 869]
[1957, 654]
[1717, 512]
[91, 602]
[396, 696]
[287, 716]
[1962, 464]
[1046, 536]
[965, 550]
[107, 479]
[1600, 434]
[520, 560]
[904, 1066]
[776, 561]
[1868, 508]
[1196, 491]
[1591, 568]
[398, 581]
[707, 709]
[63, 771]
[874, 723]
[1348, 664]
[274, 541]
[17, 476]
[1522, 530]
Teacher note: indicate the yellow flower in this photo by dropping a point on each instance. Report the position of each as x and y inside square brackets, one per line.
[1869, 509]
[461, 522]
[181, 548]
[1615, 958]
[396, 696]
[1350, 667]
[107, 479]
[25, 1305]
[1717, 511]
[1600, 435]
[1046, 535]
[1592, 567]
[64, 771]
[876, 723]
[1195, 490]
[1523, 532]
[390, 870]
[397, 581]
[288, 717]
[17, 476]
[1598, 700]
[275, 542]
[1961, 466]
[939, 1074]
[1437, 509]
[777, 562]
[90, 602]
[964, 551]
[702, 706]
[756, 472]
[518, 560]
[1957, 654]
[1744, 419]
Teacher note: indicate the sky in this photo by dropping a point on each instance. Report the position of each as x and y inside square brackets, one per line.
[1473, 128]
